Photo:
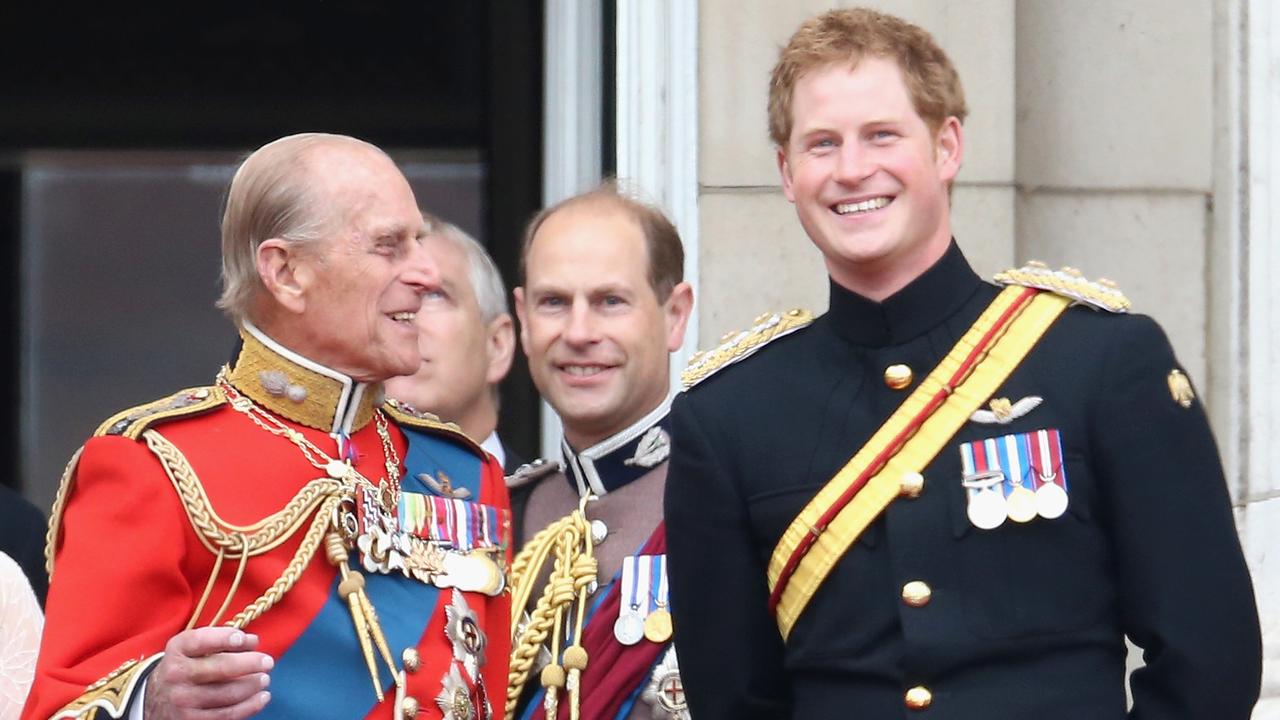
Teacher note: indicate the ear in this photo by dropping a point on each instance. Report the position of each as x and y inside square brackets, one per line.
[949, 149]
[678, 308]
[284, 278]
[500, 345]
[784, 169]
[521, 313]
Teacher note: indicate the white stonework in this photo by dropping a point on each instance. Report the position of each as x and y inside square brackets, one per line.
[1115, 94]
[1258, 521]
[1151, 244]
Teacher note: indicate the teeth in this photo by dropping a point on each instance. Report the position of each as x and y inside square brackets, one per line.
[861, 207]
[582, 370]
[403, 316]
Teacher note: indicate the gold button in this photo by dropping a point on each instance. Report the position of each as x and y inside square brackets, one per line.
[919, 698]
[897, 376]
[912, 485]
[916, 593]
[412, 661]
[409, 708]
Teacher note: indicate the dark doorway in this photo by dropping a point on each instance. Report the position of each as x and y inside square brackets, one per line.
[104, 111]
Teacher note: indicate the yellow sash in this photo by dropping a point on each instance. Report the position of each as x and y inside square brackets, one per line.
[973, 370]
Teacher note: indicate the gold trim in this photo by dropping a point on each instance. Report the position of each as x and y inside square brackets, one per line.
[1180, 388]
[551, 621]
[216, 533]
[111, 693]
[408, 416]
[133, 422]
[1068, 282]
[318, 406]
[55, 515]
[736, 346]
[317, 499]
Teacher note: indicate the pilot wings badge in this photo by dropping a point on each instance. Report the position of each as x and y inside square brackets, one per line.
[1003, 412]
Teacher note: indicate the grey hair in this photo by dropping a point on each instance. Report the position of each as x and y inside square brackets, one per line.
[486, 281]
[271, 196]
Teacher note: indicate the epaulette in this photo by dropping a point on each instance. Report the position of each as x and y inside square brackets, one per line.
[737, 346]
[409, 416]
[1068, 282]
[531, 472]
[133, 422]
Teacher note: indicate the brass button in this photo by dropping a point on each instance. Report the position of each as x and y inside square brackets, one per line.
[919, 698]
[412, 660]
[916, 593]
[912, 485]
[897, 376]
[409, 708]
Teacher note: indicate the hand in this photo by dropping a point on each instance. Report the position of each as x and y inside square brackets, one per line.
[210, 673]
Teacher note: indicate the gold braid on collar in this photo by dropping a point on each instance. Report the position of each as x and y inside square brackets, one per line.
[289, 390]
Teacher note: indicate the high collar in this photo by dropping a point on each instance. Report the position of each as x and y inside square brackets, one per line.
[923, 304]
[300, 389]
[617, 460]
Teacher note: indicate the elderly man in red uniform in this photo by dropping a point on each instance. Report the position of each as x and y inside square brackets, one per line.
[282, 543]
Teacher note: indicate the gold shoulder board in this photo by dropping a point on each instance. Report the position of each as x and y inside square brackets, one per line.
[133, 422]
[1068, 282]
[406, 415]
[737, 346]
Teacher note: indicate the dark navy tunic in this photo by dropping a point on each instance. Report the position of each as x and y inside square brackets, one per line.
[1027, 620]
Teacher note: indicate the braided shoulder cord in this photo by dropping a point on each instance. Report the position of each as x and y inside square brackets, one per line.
[216, 533]
[283, 584]
[549, 611]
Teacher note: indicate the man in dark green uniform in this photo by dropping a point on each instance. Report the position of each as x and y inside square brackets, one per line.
[940, 498]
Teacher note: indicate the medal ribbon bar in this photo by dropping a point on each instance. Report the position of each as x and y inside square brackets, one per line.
[451, 522]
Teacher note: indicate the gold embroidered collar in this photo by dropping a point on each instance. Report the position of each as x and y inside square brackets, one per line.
[291, 386]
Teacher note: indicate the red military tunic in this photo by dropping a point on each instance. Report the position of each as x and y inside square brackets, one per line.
[144, 507]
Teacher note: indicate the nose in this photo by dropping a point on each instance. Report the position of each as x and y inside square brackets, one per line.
[420, 270]
[853, 165]
[582, 328]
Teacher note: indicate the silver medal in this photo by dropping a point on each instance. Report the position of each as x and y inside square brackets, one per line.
[629, 628]
[987, 509]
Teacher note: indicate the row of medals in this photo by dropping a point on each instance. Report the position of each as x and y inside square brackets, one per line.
[384, 548]
[632, 626]
[989, 507]
[633, 623]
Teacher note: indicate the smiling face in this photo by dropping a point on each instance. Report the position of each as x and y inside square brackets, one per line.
[462, 355]
[597, 338]
[868, 177]
[353, 294]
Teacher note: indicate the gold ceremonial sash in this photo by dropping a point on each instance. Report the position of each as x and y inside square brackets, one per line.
[912, 436]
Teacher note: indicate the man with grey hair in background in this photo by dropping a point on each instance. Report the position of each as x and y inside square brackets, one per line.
[466, 338]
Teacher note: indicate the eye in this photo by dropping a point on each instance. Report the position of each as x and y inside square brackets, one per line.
[883, 135]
